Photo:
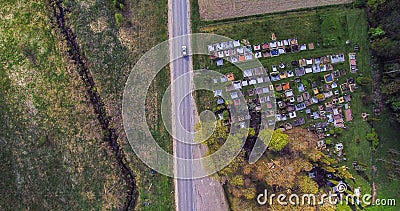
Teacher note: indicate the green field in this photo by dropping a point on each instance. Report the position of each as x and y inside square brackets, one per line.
[113, 51]
[52, 156]
[52, 153]
[331, 27]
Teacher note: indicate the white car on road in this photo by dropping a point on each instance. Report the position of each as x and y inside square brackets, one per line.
[184, 50]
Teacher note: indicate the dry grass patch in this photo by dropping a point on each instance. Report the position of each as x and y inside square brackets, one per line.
[223, 9]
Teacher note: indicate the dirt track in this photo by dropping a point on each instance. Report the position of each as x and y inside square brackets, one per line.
[222, 9]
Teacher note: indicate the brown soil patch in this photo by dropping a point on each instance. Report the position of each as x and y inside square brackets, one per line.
[222, 9]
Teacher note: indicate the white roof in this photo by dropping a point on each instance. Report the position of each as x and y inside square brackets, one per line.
[292, 114]
[234, 59]
[247, 73]
[249, 56]
[285, 42]
[217, 93]
[237, 85]
[289, 93]
[220, 46]
[227, 53]
[234, 95]
[236, 43]
[211, 48]
[223, 79]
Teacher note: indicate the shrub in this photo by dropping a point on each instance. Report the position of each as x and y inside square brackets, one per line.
[118, 18]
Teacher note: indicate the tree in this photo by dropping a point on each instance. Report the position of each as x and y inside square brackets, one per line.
[118, 18]
[359, 3]
[252, 132]
[363, 81]
[320, 96]
[391, 88]
[395, 106]
[376, 32]
[343, 173]
[306, 185]
[237, 180]
[338, 130]
[386, 48]
[225, 114]
[278, 141]
[373, 138]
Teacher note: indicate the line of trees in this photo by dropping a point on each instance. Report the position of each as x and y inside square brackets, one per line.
[384, 33]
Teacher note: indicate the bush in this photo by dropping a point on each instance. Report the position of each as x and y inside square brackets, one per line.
[363, 81]
[373, 138]
[359, 3]
[118, 18]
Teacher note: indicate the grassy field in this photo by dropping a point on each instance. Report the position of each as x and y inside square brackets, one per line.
[52, 157]
[112, 51]
[331, 27]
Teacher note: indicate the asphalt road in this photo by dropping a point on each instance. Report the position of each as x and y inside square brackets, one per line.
[182, 107]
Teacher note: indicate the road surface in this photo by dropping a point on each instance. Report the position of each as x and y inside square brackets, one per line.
[182, 106]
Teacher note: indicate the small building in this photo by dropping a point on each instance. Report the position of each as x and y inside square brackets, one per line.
[234, 95]
[300, 106]
[300, 87]
[329, 78]
[230, 76]
[299, 72]
[292, 114]
[348, 114]
[265, 46]
[218, 93]
[286, 86]
[316, 91]
[289, 93]
[236, 43]
[220, 62]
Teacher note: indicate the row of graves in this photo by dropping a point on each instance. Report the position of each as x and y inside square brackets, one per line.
[258, 99]
[336, 111]
[353, 62]
[332, 100]
[239, 51]
[307, 66]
